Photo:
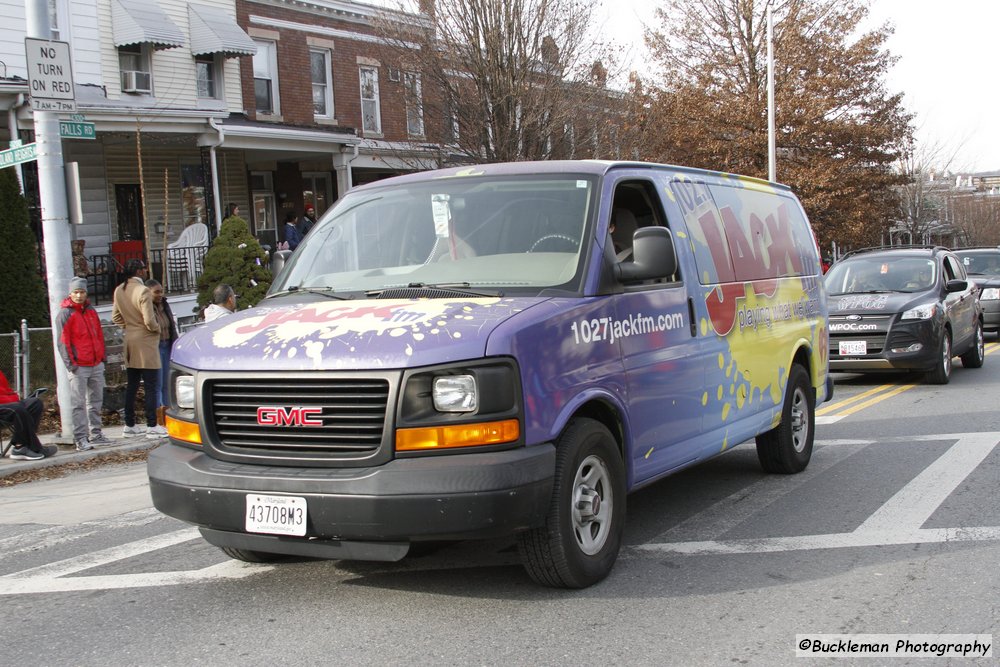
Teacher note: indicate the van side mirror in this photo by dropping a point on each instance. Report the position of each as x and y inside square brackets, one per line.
[278, 260]
[653, 256]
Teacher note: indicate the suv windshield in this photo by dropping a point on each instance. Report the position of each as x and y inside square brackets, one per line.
[865, 275]
[980, 262]
[492, 233]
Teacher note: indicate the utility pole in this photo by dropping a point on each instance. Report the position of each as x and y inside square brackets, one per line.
[770, 95]
[56, 233]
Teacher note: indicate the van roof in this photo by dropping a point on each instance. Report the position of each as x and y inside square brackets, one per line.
[595, 167]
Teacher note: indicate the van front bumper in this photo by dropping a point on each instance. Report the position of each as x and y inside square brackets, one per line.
[459, 496]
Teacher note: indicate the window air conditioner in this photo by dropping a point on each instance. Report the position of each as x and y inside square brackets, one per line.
[136, 82]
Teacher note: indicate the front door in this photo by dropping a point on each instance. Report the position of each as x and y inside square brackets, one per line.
[265, 228]
[128, 203]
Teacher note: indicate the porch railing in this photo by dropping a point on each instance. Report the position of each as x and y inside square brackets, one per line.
[183, 268]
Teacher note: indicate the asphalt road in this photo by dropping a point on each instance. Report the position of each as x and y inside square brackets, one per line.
[893, 528]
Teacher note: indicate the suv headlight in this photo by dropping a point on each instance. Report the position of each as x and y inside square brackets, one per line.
[924, 312]
[990, 294]
[184, 391]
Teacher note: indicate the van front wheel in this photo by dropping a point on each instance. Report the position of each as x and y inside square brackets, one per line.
[582, 534]
[248, 556]
[787, 448]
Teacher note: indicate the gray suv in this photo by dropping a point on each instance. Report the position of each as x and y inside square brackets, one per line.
[903, 308]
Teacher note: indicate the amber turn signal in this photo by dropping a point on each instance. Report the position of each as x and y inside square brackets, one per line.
[458, 435]
[183, 430]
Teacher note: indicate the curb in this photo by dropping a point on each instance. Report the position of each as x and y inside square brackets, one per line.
[8, 467]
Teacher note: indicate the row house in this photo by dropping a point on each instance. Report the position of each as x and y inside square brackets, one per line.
[271, 105]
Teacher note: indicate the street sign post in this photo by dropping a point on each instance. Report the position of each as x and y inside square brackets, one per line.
[18, 154]
[50, 75]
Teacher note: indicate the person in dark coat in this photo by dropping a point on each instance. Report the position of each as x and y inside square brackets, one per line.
[168, 334]
[293, 237]
[81, 346]
[307, 221]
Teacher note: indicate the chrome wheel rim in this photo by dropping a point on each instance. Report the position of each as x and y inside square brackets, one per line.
[593, 505]
[799, 420]
[946, 348]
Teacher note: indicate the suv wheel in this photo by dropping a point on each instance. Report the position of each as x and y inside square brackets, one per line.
[974, 357]
[942, 371]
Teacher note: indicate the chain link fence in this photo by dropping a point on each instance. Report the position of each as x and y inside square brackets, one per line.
[28, 360]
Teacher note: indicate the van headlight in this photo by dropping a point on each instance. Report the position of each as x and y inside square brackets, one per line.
[463, 405]
[455, 393]
[924, 312]
[184, 391]
[990, 294]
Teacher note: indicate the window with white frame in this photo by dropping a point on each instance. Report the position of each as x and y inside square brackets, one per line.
[322, 90]
[134, 63]
[208, 76]
[414, 105]
[265, 77]
[451, 126]
[371, 114]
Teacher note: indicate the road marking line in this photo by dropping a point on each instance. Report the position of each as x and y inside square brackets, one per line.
[833, 407]
[896, 522]
[872, 401]
[45, 584]
[103, 557]
[828, 541]
[913, 504]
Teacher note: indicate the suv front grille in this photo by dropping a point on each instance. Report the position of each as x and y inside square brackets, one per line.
[353, 413]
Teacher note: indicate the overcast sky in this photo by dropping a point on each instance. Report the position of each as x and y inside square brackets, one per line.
[947, 51]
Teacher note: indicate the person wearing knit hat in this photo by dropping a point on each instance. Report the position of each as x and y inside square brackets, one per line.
[81, 346]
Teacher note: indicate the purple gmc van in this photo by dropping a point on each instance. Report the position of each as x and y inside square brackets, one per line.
[507, 349]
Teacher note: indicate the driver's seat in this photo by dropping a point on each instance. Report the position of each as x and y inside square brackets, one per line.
[625, 226]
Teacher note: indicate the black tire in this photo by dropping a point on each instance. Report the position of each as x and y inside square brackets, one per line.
[977, 353]
[248, 556]
[579, 543]
[787, 448]
[942, 370]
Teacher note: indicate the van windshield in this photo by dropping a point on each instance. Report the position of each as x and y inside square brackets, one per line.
[507, 234]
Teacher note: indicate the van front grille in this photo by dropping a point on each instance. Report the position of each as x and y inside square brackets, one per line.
[297, 417]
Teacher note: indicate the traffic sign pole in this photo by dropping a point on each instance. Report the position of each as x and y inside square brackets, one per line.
[55, 217]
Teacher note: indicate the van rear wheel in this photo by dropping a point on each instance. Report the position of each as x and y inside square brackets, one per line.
[579, 543]
[787, 448]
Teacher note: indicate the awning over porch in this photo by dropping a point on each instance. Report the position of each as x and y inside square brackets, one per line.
[215, 31]
[143, 22]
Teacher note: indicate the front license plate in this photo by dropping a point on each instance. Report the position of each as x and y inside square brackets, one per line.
[276, 515]
[853, 348]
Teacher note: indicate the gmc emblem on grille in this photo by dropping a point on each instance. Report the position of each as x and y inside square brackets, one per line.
[293, 416]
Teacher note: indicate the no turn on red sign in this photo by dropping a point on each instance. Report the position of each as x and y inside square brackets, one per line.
[50, 75]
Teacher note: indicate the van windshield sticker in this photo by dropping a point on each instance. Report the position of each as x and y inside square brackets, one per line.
[439, 209]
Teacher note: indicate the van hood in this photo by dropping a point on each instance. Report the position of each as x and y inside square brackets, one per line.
[347, 335]
[878, 302]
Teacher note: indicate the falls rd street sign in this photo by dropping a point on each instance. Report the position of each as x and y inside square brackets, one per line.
[25, 153]
[76, 130]
[50, 75]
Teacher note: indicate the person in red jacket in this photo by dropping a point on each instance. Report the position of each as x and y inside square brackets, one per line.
[81, 346]
[23, 416]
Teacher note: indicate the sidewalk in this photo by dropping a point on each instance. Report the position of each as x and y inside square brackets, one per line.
[68, 454]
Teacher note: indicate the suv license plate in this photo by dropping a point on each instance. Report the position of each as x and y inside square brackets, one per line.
[276, 515]
[853, 348]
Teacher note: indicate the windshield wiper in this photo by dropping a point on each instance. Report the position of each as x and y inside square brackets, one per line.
[457, 287]
[296, 289]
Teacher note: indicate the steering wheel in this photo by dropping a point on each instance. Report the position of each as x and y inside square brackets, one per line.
[560, 238]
